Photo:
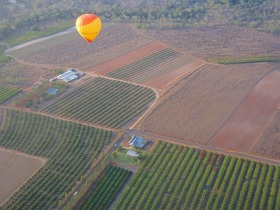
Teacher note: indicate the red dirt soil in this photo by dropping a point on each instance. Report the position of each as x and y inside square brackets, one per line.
[120, 61]
[249, 120]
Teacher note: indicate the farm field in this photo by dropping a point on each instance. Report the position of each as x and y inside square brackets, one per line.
[268, 143]
[20, 75]
[128, 58]
[157, 69]
[70, 148]
[104, 102]
[7, 92]
[70, 50]
[195, 108]
[106, 189]
[220, 41]
[242, 129]
[15, 169]
[178, 177]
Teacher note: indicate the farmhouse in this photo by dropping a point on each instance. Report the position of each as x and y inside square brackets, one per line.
[68, 76]
[138, 142]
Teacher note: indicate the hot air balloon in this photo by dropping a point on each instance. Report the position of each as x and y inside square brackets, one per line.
[88, 26]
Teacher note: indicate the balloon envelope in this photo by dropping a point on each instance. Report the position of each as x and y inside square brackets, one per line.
[88, 26]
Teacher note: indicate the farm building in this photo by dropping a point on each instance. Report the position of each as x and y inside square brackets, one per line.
[138, 142]
[52, 91]
[68, 76]
[132, 153]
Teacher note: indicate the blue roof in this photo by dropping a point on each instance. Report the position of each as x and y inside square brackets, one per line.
[52, 91]
[138, 142]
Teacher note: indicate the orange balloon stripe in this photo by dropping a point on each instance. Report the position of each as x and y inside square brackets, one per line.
[86, 19]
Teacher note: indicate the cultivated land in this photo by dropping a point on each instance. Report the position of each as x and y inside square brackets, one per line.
[249, 120]
[196, 100]
[177, 177]
[104, 102]
[106, 189]
[158, 69]
[15, 169]
[195, 108]
[70, 50]
[7, 92]
[268, 142]
[70, 148]
[153, 64]
[220, 41]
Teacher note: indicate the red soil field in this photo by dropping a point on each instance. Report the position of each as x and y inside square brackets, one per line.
[198, 105]
[128, 58]
[244, 126]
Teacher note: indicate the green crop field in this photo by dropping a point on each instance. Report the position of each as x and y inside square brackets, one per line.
[144, 65]
[7, 92]
[107, 188]
[103, 102]
[70, 149]
[178, 177]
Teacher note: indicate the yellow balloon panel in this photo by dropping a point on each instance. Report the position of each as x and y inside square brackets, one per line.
[88, 26]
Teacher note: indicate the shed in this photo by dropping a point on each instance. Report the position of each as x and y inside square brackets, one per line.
[52, 91]
[132, 153]
[138, 142]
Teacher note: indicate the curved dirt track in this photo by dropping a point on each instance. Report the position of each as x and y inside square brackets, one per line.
[242, 129]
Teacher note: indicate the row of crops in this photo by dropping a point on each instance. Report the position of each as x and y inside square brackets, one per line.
[7, 92]
[70, 148]
[107, 188]
[103, 102]
[144, 65]
[178, 177]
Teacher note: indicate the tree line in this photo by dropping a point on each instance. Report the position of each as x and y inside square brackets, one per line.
[259, 14]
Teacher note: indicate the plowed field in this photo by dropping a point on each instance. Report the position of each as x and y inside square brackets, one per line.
[15, 169]
[126, 59]
[199, 105]
[249, 120]
[268, 143]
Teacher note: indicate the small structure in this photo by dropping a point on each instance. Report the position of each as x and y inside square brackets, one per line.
[52, 91]
[68, 76]
[132, 153]
[138, 142]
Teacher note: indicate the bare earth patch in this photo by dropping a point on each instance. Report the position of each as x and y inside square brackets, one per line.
[268, 143]
[15, 169]
[199, 105]
[251, 117]
[220, 41]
